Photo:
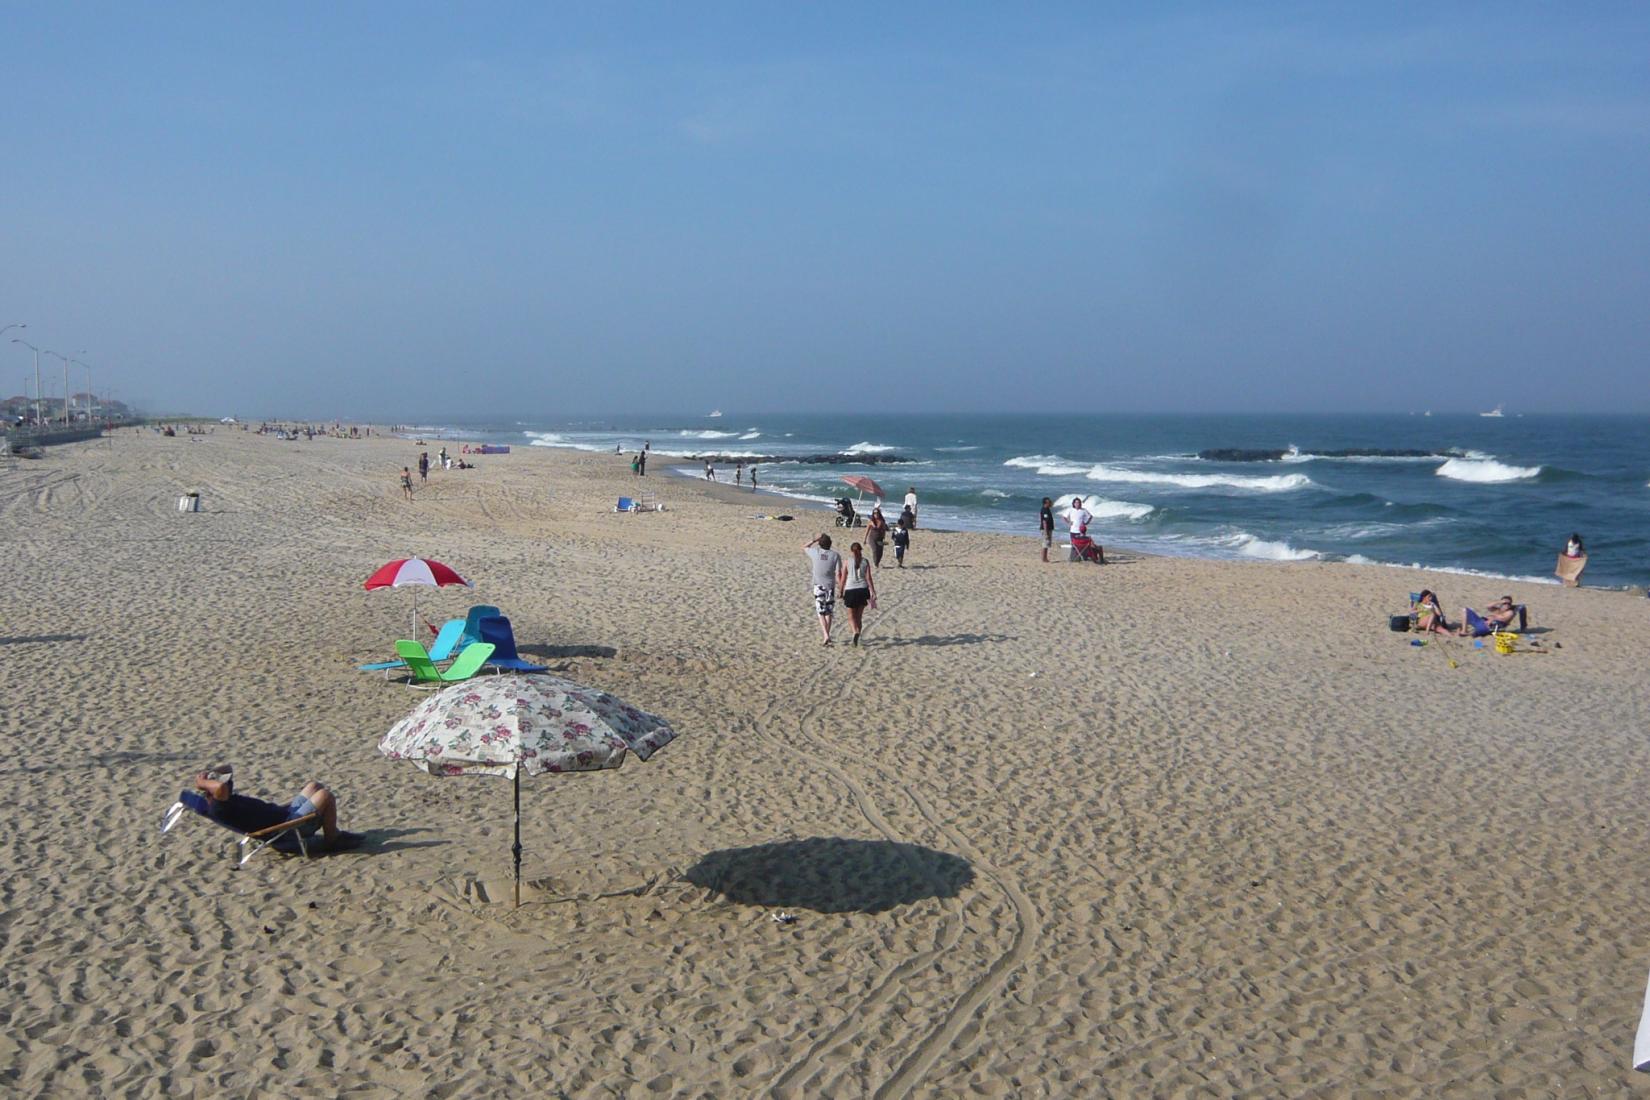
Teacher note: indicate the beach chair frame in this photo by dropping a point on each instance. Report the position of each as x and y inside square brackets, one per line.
[249, 844]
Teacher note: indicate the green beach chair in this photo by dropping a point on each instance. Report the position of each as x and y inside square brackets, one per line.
[441, 649]
[424, 671]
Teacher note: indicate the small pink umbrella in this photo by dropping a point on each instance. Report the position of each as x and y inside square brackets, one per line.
[864, 485]
[412, 572]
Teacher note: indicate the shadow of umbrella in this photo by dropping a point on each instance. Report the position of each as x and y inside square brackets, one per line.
[831, 874]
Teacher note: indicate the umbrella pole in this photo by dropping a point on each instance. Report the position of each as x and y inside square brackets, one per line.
[516, 851]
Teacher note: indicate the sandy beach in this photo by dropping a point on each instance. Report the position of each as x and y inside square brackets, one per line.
[1169, 827]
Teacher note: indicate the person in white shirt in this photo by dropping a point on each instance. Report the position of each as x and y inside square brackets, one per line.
[1077, 519]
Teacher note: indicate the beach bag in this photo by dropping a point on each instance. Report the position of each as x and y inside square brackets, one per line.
[1399, 624]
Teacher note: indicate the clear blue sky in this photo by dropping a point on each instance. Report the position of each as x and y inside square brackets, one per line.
[387, 209]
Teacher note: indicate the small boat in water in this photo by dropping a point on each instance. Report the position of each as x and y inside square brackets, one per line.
[714, 413]
[1493, 412]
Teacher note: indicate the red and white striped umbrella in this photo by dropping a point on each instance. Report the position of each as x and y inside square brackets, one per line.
[415, 571]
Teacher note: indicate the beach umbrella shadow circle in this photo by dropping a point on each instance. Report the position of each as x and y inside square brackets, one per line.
[831, 874]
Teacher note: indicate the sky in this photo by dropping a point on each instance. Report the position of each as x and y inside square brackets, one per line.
[378, 210]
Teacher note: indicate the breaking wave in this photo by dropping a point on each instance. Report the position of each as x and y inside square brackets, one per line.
[1280, 483]
[1047, 465]
[1101, 508]
[1485, 470]
[863, 448]
[1251, 547]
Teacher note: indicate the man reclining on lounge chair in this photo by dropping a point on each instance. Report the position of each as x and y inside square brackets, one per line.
[1494, 618]
[248, 815]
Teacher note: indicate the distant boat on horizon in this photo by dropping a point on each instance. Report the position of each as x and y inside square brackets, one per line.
[714, 413]
[1494, 412]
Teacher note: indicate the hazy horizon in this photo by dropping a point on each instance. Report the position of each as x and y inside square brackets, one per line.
[376, 211]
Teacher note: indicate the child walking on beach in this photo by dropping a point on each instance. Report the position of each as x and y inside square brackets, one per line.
[902, 541]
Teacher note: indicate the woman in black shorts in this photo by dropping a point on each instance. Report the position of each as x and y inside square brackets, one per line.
[858, 590]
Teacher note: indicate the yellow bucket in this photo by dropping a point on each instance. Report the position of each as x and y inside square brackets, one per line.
[1506, 643]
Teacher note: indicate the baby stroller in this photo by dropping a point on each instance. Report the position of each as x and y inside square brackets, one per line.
[845, 516]
[1084, 548]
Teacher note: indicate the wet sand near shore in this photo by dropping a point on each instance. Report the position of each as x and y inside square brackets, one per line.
[1167, 827]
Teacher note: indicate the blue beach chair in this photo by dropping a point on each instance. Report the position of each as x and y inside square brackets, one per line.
[472, 623]
[496, 629]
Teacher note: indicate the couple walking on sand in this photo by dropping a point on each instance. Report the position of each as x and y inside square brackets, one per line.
[831, 574]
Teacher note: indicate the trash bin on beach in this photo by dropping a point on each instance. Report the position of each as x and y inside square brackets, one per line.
[189, 502]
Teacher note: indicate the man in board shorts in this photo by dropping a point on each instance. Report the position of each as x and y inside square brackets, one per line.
[825, 562]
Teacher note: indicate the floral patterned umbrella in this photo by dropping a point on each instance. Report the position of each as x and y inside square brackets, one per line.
[505, 725]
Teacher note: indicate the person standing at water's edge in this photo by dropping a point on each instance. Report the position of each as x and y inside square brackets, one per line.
[1045, 523]
[753, 479]
[910, 511]
[823, 576]
[859, 590]
[641, 462]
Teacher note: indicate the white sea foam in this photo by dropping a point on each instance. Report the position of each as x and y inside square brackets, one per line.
[1251, 547]
[866, 448]
[551, 439]
[992, 493]
[1280, 483]
[752, 434]
[973, 448]
[1484, 470]
[1048, 465]
[1359, 559]
[708, 434]
[1101, 508]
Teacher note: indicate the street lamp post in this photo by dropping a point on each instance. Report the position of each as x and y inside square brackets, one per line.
[31, 347]
[7, 328]
[66, 362]
[88, 367]
[65, 359]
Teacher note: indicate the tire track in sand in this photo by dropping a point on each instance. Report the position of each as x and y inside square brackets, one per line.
[940, 1037]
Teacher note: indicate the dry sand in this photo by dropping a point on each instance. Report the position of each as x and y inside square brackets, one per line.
[1164, 828]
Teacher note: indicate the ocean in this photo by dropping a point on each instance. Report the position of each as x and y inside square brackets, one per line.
[1489, 495]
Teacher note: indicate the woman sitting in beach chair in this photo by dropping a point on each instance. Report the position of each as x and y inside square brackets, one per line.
[1084, 548]
[1429, 614]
